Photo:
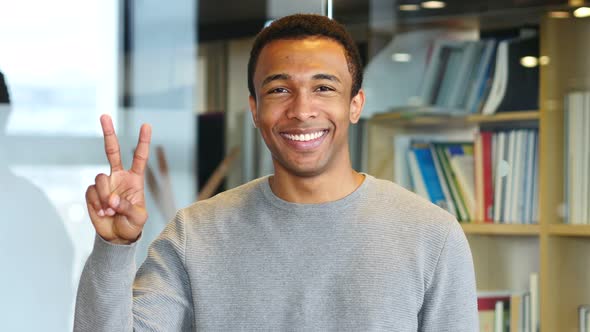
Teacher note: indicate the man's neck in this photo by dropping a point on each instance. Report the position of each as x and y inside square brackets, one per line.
[327, 187]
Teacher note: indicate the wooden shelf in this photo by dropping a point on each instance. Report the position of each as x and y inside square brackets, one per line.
[413, 118]
[504, 117]
[505, 255]
[501, 229]
[569, 230]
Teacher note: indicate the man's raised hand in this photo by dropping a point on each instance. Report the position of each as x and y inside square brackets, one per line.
[116, 202]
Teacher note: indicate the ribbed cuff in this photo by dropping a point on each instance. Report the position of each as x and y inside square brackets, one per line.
[114, 257]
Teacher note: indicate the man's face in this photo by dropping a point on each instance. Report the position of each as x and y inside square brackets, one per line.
[303, 105]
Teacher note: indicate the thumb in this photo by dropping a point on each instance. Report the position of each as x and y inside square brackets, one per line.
[136, 215]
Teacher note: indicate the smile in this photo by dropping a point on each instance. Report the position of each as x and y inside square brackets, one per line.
[305, 137]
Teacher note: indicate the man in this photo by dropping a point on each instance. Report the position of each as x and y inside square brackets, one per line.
[316, 246]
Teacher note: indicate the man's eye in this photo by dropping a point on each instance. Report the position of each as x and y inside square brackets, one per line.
[278, 90]
[324, 88]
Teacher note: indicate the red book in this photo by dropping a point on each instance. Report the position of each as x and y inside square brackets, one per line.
[489, 303]
[486, 311]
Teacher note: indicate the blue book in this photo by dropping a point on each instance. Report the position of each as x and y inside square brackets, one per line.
[429, 175]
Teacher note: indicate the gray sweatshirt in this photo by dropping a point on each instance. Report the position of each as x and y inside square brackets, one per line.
[381, 258]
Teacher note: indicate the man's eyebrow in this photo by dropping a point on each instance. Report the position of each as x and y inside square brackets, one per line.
[275, 77]
[326, 77]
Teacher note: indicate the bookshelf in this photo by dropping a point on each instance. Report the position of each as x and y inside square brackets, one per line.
[569, 230]
[414, 118]
[500, 229]
[506, 254]
[565, 249]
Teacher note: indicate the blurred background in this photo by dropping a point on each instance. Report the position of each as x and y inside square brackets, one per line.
[180, 66]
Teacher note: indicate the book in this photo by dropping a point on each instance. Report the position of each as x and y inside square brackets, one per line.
[483, 176]
[462, 165]
[576, 168]
[522, 82]
[534, 291]
[500, 317]
[488, 184]
[498, 86]
[509, 189]
[501, 171]
[466, 69]
[584, 318]
[452, 73]
[516, 205]
[515, 87]
[385, 91]
[529, 177]
[451, 181]
[445, 188]
[480, 85]
[504, 310]
[487, 308]
[402, 143]
[428, 174]
[479, 178]
[418, 184]
[535, 203]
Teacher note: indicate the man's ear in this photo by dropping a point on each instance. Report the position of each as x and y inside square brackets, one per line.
[356, 106]
[253, 110]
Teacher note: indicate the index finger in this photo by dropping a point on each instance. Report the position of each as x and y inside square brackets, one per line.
[142, 150]
[111, 143]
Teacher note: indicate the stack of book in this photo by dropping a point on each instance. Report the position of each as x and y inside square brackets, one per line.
[508, 310]
[483, 76]
[491, 180]
[504, 311]
[577, 158]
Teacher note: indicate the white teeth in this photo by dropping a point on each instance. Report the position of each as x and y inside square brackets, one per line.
[305, 137]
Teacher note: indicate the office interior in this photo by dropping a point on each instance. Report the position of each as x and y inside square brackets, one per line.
[181, 67]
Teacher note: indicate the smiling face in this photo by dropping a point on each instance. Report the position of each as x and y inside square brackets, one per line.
[303, 106]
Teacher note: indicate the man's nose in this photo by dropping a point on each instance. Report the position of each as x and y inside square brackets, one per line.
[302, 107]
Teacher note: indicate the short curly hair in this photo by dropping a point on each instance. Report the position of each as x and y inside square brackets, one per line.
[301, 26]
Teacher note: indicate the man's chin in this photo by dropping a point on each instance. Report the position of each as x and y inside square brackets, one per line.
[304, 171]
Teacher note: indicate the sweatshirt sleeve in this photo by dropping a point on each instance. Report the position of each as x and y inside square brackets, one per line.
[112, 297]
[450, 301]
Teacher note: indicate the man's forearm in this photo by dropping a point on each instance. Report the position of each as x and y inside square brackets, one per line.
[105, 295]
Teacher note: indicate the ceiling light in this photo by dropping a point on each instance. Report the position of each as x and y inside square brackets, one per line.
[434, 4]
[409, 7]
[582, 12]
[529, 61]
[543, 60]
[401, 57]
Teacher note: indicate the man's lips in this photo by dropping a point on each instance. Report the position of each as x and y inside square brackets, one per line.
[304, 136]
[306, 140]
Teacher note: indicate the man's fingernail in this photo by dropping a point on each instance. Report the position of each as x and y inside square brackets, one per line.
[100, 213]
[115, 201]
[110, 212]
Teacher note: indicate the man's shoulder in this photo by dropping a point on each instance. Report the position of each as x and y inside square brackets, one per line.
[231, 201]
[391, 195]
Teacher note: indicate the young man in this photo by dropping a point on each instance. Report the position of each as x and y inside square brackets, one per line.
[316, 246]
